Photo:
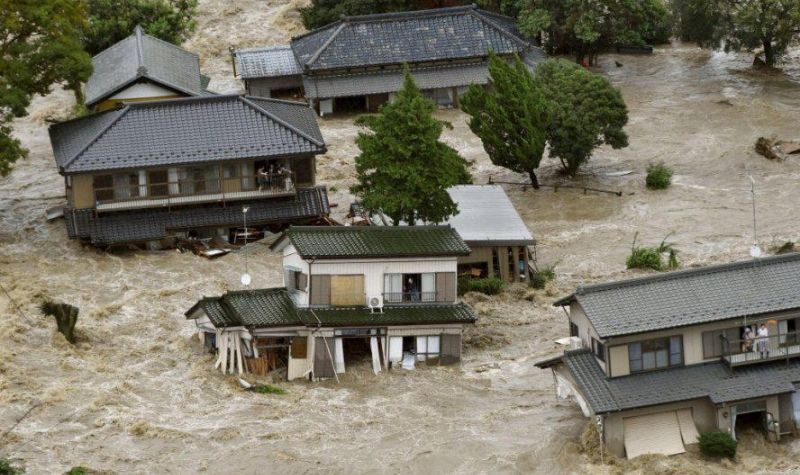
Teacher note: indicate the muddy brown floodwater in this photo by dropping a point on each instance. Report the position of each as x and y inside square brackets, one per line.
[137, 394]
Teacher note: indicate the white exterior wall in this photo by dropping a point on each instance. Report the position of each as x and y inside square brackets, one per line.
[586, 330]
[372, 269]
[143, 90]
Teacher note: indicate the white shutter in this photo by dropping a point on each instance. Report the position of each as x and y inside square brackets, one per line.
[172, 175]
[688, 429]
[433, 345]
[657, 433]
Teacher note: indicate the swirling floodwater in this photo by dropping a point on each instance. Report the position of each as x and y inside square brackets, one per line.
[138, 395]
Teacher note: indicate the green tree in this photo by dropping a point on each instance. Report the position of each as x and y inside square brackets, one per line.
[586, 111]
[403, 169]
[39, 46]
[510, 117]
[113, 20]
[695, 20]
[584, 28]
[322, 12]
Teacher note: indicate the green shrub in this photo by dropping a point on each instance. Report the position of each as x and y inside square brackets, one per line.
[268, 389]
[717, 444]
[645, 258]
[488, 286]
[659, 176]
[77, 471]
[7, 469]
[541, 277]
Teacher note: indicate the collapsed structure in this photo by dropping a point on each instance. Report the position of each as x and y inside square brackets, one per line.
[387, 292]
[662, 358]
[357, 62]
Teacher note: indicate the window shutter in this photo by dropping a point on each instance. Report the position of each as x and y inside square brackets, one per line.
[302, 281]
[445, 286]
[320, 290]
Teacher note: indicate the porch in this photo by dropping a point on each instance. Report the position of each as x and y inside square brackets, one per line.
[760, 349]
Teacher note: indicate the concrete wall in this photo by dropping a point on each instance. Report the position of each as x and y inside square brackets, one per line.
[703, 412]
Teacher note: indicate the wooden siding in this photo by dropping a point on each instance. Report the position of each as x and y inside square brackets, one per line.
[450, 349]
[446, 287]
[320, 290]
[347, 290]
[82, 191]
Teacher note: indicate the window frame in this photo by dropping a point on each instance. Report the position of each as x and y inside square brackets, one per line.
[654, 350]
[599, 349]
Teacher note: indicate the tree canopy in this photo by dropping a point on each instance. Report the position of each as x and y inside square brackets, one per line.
[561, 105]
[584, 28]
[586, 111]
[404, 169]
[322, 12]
[113, 20]
[39, 46]
[750, 25]
[510, 118]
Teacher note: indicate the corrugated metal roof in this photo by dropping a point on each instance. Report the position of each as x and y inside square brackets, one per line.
[185, 131]
[322, 242]
[269, 61]
[712, 380]
[154, 224]
[408, 37]
[689, 297]
[143, 56]
[486, 216]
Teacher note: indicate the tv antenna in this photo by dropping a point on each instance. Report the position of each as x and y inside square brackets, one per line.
[755, 249]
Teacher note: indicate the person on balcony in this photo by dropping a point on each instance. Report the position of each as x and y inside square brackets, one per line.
[763, 341]
[747, 339]
[285, 176]
[261, 177]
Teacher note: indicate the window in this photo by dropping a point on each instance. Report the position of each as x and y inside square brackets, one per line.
[714, 341]
[230, 170]
[655, 354]
[300, 281]
[427, 348]
[599, 349]
[399, 288]
[157, 181]
[573, 329]
[103, 187]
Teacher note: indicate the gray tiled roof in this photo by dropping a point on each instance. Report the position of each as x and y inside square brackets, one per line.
[408, 37]
[154, 224]
[690, 297]
[708, 380]
[266, 308]
[486, 216]
[185, 131]
[269, 61]
[324, 242]
[143, 56]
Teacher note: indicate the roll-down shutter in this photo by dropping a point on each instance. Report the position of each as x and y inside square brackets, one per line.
[658, 433]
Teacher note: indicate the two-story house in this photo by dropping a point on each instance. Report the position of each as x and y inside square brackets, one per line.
[669, 356]
[387, 292]
[357, 62]
[186, 167]
[143, 68]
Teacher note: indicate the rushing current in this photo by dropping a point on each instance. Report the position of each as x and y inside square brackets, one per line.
[138, 395]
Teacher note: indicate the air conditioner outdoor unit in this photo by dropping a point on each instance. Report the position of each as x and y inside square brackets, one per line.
[376, 303]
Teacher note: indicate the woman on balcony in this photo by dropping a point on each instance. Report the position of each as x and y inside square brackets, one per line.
[763, 341]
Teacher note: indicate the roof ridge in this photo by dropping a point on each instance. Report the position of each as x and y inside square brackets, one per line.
[122, 112]
[281, 121]
[370, 228]
[325, 45]
[480, 16]
[425, 12]
[257, 49]
[278, 101]
[679, 274]
[252, 291]
[161, 102]
[142, 69]
[172, 45]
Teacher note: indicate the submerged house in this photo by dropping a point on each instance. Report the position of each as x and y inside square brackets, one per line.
[667, 357]
[387, 293]
[186, 167]
[500, 243]
[143, 68]
[357, 62]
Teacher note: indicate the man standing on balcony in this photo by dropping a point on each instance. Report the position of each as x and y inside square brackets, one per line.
[763, 341]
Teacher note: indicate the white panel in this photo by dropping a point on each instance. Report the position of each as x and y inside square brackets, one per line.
[143, 90]
[657, 433]
[142, 183]
[325, 106]
[433, 344]
[339, 355]
[172, 176]
[428, 282]
[395, 349]
[688, 429]
[422, 344]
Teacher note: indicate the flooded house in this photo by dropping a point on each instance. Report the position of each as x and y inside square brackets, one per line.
[501, 244]
[385, 294]
[356, 63]
[660, 359]
[149, 172]
[143, 68]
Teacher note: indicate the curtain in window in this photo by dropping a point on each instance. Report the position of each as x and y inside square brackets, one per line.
[428, 287]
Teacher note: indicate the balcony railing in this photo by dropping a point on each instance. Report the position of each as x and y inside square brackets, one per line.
[390, 298]
[760, 349]
[183, 192]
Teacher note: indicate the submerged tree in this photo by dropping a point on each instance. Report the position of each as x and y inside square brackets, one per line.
[66, 317]
[113, 20]
[510, 117]
[404, 169]
[39, 46]
[586, 111]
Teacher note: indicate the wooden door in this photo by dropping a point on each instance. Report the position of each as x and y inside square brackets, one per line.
[347, 290]
[323, 350]
[450, 349]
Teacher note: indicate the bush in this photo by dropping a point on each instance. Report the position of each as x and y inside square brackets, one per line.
[488, 286]
[659, 176]
[268, 389]
[7, 469]
[717, 444]
[77, 471]
[652, 257]
[542, 277]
